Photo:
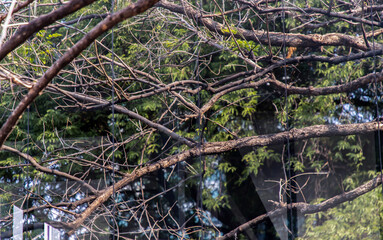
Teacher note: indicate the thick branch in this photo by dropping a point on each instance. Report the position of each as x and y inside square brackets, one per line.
[279, 86]
[39, 23]
[305, 208]
[274, 38]
[308, 91]
[240, 84]
[16, 9]
[220, 147]
[73, 52]
[313, 58]
[294, 134]
[311, 91]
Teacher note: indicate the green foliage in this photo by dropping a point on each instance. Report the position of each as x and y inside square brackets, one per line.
[255, 159]
[214, 203]
[357, 219]
[68, 135]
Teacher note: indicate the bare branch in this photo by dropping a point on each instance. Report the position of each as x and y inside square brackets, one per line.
[219, 147]
[274, 38]
[102, 27]
[306, 208]
[39, 23]
[40, 168]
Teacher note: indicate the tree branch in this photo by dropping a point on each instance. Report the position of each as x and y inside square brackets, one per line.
[321, 11]
[16, 9]
[24, 32]
[73, 52]
[274, 38]
[220, 147]
[127, 112]
[74, 21]
[305, 208]
[43, 169]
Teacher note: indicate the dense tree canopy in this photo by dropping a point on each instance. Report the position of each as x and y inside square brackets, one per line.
[177, 119]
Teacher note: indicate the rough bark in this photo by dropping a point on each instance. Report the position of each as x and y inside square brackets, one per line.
[273, 38]
[219, 147]
[74, 51]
